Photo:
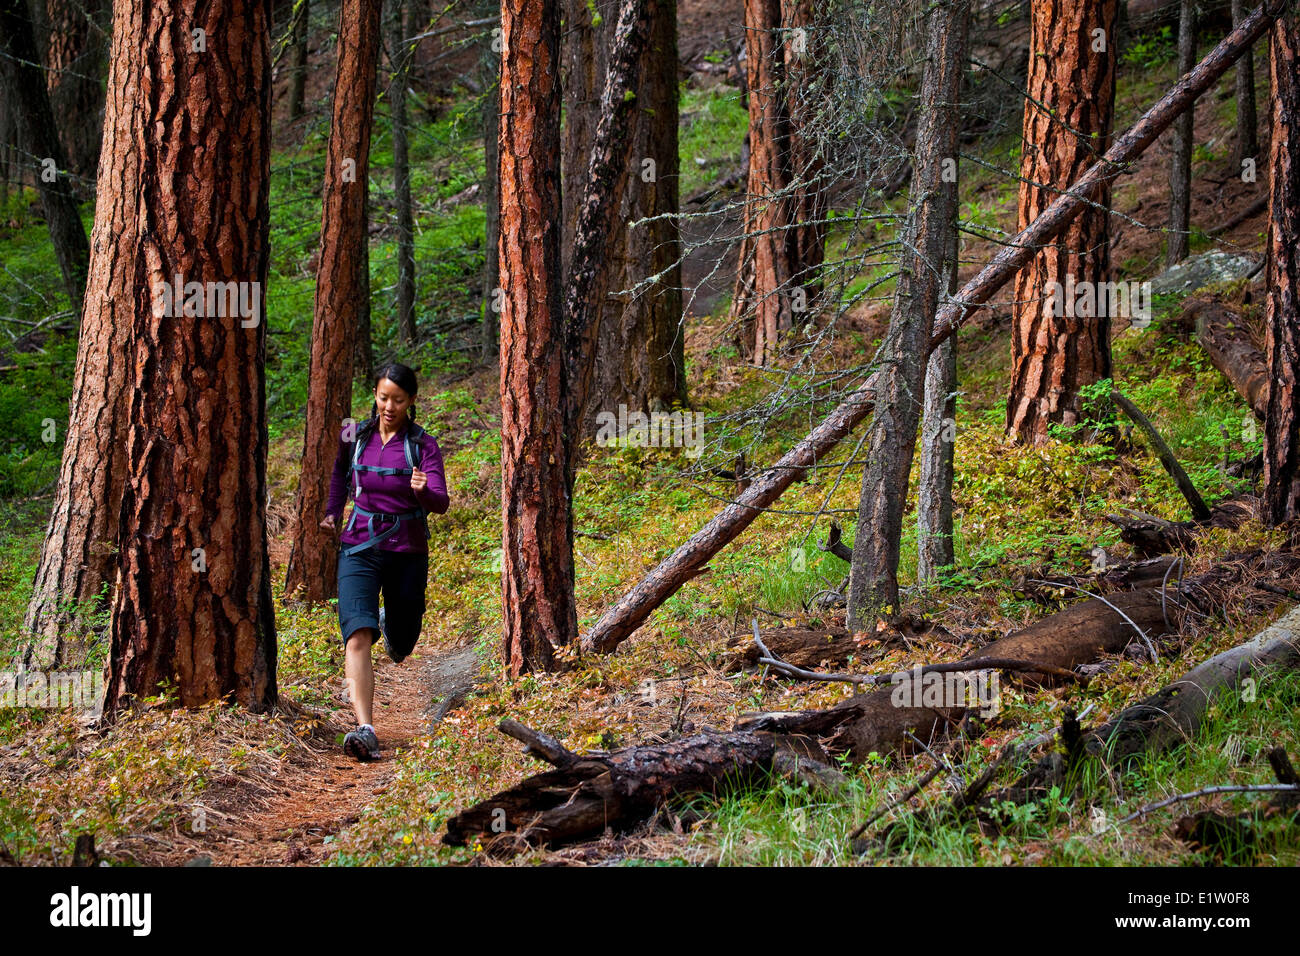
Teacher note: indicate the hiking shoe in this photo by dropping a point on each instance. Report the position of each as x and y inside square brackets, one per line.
[362, 744]
[395, 657]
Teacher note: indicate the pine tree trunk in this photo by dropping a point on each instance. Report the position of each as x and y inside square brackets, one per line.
[1246, 145]
[298, 81]
[808, 202]
[402, 174]
[640, 348]
[1282, 252]
[490, 71]
[891, 437]
[537, 576]
[342, 298]
[1053, 356]
[74, 61]
[193, 605]
[1180, 163]
[23, 82]
[934, 542]
[765, 263]
[76, 564]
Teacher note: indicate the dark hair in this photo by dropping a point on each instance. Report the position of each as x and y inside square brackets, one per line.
[404, 378]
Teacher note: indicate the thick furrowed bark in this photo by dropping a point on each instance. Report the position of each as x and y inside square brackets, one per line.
[1282, 311]
[1056, 352]
[538, 609]
[342, 298]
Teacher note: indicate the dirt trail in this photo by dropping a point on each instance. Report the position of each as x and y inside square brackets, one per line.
[285, 818]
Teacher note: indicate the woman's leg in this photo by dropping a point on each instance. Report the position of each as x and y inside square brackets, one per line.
[359, 675]
[359, 584]
[405, 580]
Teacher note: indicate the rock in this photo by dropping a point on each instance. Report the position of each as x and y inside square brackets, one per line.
[1200, 270]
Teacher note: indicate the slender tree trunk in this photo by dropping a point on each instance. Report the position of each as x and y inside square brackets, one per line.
[490, 71]
[1058, 345]
[1282, 252]
[539, 611]
[77, 563]
[74, 61]
[934, 542]
[808, 202]
[765, 262]
[298, 81]
[24, 84]
[193, 604]
[891, 437]
[342, 298]
[1246, 145]
[640, 348]
[1180, 163]
[402, 173]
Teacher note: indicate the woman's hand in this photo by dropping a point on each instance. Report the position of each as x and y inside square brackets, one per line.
[330, 524]
[419, 480]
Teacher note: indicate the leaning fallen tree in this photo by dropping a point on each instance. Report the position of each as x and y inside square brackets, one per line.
[627, 614]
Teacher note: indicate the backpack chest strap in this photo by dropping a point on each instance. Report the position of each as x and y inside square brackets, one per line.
[357, 467]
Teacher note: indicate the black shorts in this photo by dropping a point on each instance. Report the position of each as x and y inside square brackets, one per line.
[402, 576]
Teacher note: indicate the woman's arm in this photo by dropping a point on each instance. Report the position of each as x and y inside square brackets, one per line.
[339, 481]
[433, 496]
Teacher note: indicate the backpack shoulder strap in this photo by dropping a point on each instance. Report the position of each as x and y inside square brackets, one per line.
[356, 473]
[413, 445]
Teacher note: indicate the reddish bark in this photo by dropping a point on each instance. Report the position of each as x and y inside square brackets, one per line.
[193, 604]
[342, 297]
[1054, 356]
[1282, 309]
[777, 270]
[539, 612]
[632, 609]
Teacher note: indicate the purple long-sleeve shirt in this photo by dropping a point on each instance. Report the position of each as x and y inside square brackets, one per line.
[388, 494]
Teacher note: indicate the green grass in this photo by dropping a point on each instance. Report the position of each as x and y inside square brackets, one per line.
[713, 127]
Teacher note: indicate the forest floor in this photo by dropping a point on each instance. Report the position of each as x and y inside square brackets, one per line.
[219, 786]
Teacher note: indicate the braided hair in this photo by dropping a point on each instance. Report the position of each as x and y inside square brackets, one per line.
[404, 378]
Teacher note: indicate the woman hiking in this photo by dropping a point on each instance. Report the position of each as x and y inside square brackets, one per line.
[393, 470]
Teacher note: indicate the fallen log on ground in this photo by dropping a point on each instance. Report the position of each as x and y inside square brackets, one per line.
[1114, 576]
[585, 794]
[1254, 209]
[1151, 535]
[1231, 348]
[1174, 714]
[1082, 632]
[631, 610]
[804, 647]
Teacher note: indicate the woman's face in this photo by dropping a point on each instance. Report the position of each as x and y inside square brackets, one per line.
[392, 401]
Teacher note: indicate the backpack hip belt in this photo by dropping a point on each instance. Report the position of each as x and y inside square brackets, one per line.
[370, 517]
